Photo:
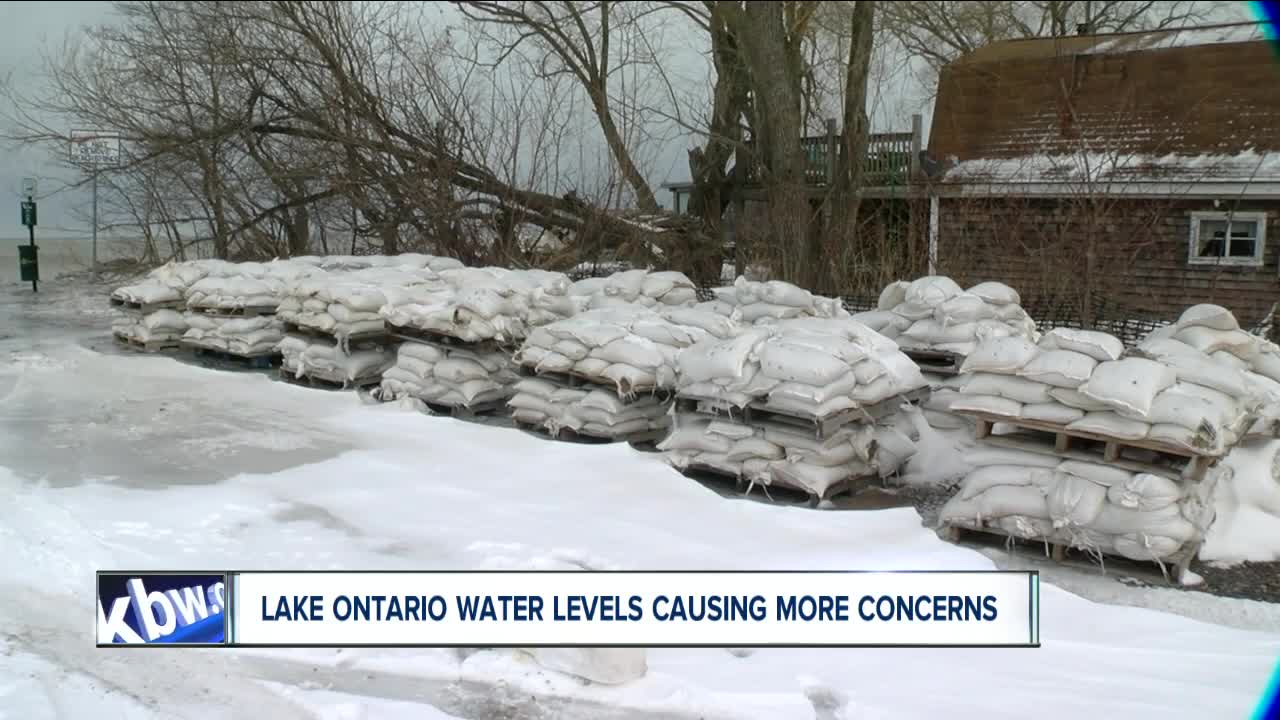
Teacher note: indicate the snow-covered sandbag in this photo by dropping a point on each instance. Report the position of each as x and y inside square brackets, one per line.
[1167, 521]
[1075, 501]
[1130, 384]
[929, 332]
[932, 290]
[165, 320]
[695, 438]
[990, 404]
[1111, 425]
[1008, 386]
[1208, 341]
[1214, 317]
[1051, 412]
[1144, 546]
[795, 362]
[1101, 474]
[1074, 399]
[708, 360]
[816, 479]
[1060, 368]
[997, 502]
[964, 308]
[996, 293]
[893, 295]
[1001, 355]
[1145, 492]
[1097, 345]
[983, 455]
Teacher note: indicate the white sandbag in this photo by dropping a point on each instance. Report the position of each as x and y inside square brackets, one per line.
[983, 455]
[626, 284]
[996, 502]
[960, 348]
[1112, 425]
[1214, 317]
[459, 370]
[1097, 345]
[1186, 405]
[732, 430]
[1012, 314]
[893, 295]
[803, 393]
[1060, 368]
[1145, 492]
[1001, 355]
[1130, 384]
[929, 332]
[996, 293]
[571, 349]
[705, 361]
[1024, 527]
[777, 292]
[1008, 386]
[425, 353]
[1074, 399]
[344, 314]
[366, 362]
[696, 439]
[667, 333]
[713, 323]
[1075, 501]
[816, 479]
[591, 367]
[1168, 521]
[964, 308]
[1100, 474]
[534, 387]
[1267, 364]
[568, 396]
[1051, 412]
[619, 429]
[1204, 439]
[754, 447]
[1208, 341]
[939, 400]
[1226, 358]
[805, 408]
[932, 290]
[629, 379]
[546, 362]
[1142, 546]
[758, 311]
[915, 311]
[990, 404]
[983, 479]
[631, 350]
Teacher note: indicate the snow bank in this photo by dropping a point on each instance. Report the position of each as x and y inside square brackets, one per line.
[1247, 501]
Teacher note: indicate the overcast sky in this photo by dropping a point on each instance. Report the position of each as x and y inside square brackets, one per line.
[28, 29]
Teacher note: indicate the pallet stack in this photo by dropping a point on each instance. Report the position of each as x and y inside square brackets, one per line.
[809, 404]
[144, 322]
[1084, 445]
[608, 374]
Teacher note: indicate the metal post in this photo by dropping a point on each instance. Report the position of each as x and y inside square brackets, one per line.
[95, 221]
[31, 233]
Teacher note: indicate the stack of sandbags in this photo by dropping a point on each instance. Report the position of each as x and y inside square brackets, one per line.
[484, 304]
[164, 327]
[808, 367]
[326, 359]
[596, 412]
[347, 263]
[235, 293]
[777, 454]
[628, 347]
[243, 336]
[1095, 507]
[753, 302]
[638, 287]
[934, 313]
[347, 304]
[452, 376]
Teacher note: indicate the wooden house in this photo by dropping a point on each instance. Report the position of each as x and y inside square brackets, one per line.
[1128, 174]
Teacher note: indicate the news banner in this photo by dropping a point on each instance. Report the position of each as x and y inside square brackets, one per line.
[558, 609]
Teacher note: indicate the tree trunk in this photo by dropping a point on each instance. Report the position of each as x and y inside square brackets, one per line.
[846, 189]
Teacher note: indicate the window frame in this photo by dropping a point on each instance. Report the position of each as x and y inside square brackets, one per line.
[1258, 259]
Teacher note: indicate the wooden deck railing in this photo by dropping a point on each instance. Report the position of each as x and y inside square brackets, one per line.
[889, 160]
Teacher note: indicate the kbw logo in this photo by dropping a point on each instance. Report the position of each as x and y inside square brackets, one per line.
[157, 614]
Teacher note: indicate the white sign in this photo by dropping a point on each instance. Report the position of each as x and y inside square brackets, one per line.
[94, 148]
[29, 187]
[643, 609]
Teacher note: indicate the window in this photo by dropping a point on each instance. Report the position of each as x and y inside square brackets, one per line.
[1219, 238]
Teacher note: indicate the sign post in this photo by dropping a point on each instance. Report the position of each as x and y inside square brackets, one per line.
[94, 150]
[28, 260]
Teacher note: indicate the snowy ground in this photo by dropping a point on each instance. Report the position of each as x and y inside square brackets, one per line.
[112, 460]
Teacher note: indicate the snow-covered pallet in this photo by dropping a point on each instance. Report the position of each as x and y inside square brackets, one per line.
[237, 312]
[146, 308]
[1172, 569]
[565, 434]
[1153, 456]
[148, 345]
[371, 336]
[260, 360]
[761, 414]
[938, 362]
[445, 341]
[849, 485]
[324, 381]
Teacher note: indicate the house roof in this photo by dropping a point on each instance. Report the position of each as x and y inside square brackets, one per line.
[1189, 106]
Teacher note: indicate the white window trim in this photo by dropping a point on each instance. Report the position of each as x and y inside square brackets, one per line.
[1260, 250]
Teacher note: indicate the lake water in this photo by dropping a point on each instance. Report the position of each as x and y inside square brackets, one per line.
[60, 254]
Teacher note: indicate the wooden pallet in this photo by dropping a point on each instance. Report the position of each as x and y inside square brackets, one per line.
[579, 380]
[150, 346]
[492, 407]
[1055, 439]
[852, 484]
[374, 336]
[565, 434]
[441, 340]
[261, 360]
[147, 308]
[1173, 571]
[938, 362]
[761, 414]
[324, 382]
